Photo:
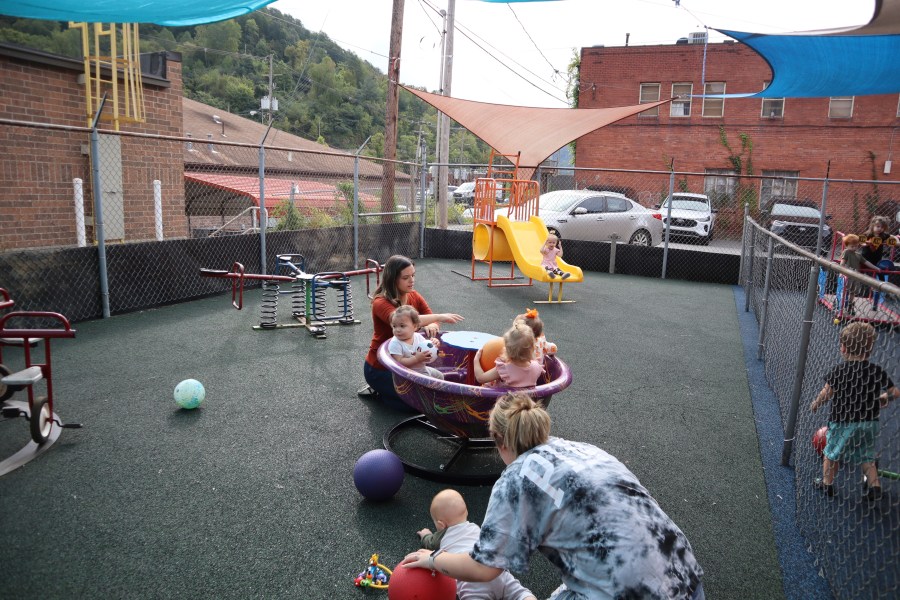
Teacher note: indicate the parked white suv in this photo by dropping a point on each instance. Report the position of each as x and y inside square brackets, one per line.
[692, 216]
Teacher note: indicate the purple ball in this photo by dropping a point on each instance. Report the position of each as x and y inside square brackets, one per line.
[378, 474]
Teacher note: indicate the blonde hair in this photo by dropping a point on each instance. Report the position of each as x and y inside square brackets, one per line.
[851, 239]
[406, 311]
[519, 342]
[858, 339]
[518, 423]
[532, 320]
[551, 237]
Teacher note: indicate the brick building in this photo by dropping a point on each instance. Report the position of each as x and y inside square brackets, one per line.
[39, 163]
[791, 137]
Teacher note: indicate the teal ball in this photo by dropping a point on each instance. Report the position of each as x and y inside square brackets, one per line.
[189, 394]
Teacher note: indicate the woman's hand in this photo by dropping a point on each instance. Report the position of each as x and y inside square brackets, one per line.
[450, 318]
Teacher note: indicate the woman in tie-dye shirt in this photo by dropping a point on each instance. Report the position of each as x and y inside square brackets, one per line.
[580, 507]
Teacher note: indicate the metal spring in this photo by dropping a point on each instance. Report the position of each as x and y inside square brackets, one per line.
[298, 298]
[320, 305]
[268, 310]
[345, 300]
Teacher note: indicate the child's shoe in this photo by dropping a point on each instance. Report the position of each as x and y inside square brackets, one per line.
[565, 275]
[872, 493]
[827, 488]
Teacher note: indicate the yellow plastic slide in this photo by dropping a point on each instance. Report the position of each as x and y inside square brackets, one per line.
[521, 241]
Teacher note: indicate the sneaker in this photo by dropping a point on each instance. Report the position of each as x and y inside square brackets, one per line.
[872, 493]
[366, 391]
[566, 275]
[827, 488]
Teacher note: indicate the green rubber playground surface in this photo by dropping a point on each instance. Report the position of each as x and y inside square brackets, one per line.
[252, 495]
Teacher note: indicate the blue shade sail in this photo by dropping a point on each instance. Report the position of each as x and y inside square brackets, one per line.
[817, 66]
[174, 13]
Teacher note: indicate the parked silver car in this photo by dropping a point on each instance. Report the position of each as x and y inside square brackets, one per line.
[596, 216]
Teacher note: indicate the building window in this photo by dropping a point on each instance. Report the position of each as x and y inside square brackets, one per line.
[898, 109]
[719, 186]
[650, 93]
[776, 187]
[682, 106]
[772, 108]
[714, 107]
[840, 107]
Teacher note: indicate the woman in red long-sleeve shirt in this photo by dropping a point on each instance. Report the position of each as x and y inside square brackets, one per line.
[395, 289]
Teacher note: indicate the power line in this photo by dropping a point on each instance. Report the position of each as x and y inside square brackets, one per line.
[522, 25]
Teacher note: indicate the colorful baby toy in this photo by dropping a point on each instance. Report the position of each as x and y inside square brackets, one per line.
[375, 576]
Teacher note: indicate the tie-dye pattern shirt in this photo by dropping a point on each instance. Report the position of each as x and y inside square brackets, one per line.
[591, 517]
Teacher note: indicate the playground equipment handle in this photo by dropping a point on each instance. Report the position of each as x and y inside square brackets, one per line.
[7, 301]
[68, 332]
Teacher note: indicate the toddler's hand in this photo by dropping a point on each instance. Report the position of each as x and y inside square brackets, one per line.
[423, 532]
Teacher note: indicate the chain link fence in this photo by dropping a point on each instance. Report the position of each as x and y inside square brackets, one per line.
[167, 207]
[818, 323]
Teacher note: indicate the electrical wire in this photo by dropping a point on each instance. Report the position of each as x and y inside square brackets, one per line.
[522, 25]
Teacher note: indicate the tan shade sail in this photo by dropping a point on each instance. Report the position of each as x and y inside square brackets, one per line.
[535, 132]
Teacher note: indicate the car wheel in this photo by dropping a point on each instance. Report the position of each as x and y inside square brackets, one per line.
[554, 231]
[641, 237]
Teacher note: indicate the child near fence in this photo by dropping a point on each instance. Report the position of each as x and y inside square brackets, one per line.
[857, 390]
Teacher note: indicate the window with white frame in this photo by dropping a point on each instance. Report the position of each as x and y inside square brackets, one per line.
[777, 185]
[840, 107]
[719, 185]
[714, 107]
[772, 108]
[898, 109]
[681, 106]
[649, 93]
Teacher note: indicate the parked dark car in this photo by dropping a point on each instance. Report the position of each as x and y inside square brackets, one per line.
[797, 221]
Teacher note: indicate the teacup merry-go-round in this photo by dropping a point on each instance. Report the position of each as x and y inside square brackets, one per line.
[450, 442]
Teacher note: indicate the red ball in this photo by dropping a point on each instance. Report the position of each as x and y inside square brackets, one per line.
[820, 438]
[420, 584]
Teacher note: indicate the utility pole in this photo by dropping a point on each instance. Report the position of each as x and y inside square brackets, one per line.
[443, 133]
[393, 107]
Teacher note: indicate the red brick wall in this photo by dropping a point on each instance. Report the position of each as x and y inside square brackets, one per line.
[37, 165]
[804, 140]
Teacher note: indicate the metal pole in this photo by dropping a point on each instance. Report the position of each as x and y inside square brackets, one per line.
[424, 204]
[800, 370]
[356, 203]
[98, 211]
[761, 344]
[744, 240]
[791, 425]
[668, 221]
[444, 133]
[748, 285]
[263, 215]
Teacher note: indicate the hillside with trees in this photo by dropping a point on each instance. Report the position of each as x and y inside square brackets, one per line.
[324, 92]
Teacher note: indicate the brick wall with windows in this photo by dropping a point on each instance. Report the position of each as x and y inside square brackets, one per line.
[796, 134]
[39, 164]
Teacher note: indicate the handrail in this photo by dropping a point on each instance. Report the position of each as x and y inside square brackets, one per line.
[881, 286]
[238, 216]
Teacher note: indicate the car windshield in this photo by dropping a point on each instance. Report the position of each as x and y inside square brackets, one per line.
[686, 204]
[794, 210]
[560, 201]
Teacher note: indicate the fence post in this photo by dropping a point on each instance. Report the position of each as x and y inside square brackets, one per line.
[748, 285]
[423, 205]
[744, 240]
[668, 222]
[78, 187]
[356, 203]
[157, 208]
[98, 211]
[761, 344]
[800, 370]
[613, 242]
[263, 215]
[811, 289]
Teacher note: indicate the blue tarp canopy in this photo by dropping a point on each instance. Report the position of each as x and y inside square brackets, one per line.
[173, 13]
[857, 61]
